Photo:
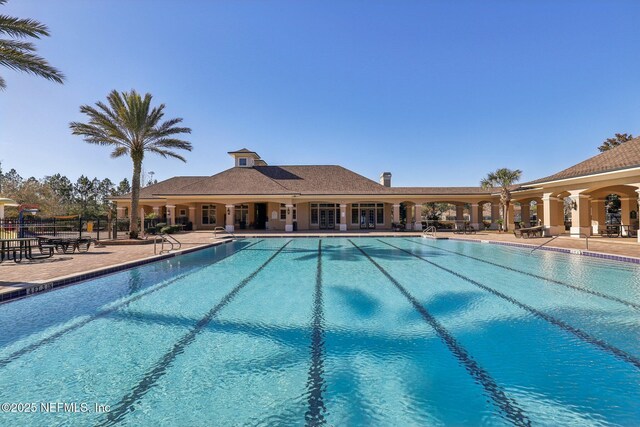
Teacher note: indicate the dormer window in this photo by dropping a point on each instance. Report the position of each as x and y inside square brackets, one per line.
[246, 158]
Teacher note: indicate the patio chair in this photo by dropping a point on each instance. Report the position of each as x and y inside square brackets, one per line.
[397, 226]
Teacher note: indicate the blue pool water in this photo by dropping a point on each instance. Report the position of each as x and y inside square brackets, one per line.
[332, 331]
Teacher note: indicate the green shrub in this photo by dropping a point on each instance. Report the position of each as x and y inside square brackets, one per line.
[170, 229]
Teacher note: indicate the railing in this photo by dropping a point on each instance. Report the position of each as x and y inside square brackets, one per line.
[168, 239]
[430, 231]
[224, 230]
[586, 236]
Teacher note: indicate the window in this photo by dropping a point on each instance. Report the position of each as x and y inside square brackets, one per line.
[208, 215]
[366, 210]
[183, 212]
[354, 214]
[317, 208]
[242, 161]
[241, 214]
[283, 212]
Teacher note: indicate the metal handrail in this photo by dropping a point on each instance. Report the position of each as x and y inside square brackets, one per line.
[539, 246]
[215, 232]
[430, 231]
[586, 236]
[165, 238]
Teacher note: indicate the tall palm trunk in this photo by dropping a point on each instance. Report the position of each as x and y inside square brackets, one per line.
[506, 213]
[134, 231]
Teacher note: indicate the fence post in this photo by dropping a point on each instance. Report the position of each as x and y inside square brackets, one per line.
[80, 226]
[98, 230]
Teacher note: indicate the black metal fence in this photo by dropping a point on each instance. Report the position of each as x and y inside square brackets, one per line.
[66, 227]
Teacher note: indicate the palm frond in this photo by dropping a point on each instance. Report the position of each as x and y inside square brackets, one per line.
[20, 60]
[3, 84]
[119, 152]
[166, 153]
[17, 27]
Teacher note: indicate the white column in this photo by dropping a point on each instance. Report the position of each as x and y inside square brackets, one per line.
[418, 213]
[580, 214]
[231, 215]
[171, 214]
[409, 219]
[289, 219]
[626, 206]
[459, 212]
[396, 213]
[540, 212]
[597, 215]
[475, 216]
[120, 212]
[1, 211]
[553, 215]
[343, 217]
[192, 217]
[525, 213]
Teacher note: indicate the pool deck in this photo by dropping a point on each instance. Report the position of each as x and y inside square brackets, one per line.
[36, 276]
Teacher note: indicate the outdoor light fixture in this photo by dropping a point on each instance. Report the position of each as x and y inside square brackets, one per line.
[228, 211]
[288, 211]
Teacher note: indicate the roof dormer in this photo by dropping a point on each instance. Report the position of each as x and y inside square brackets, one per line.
[246, 158]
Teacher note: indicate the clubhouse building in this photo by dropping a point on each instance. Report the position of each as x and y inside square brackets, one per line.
[255, 195]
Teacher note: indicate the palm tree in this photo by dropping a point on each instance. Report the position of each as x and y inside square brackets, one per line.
[502, 178]
[133, 128]
[20, 55]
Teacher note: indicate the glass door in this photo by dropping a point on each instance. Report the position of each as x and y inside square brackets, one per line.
[371, 216]
[331, 218]
[367, 218]
[323, 219]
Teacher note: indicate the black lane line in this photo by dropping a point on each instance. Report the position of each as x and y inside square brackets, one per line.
[102, 313]
[315, 382]
[548, 279]
[508, 406]
[584, 336]
[120, 410]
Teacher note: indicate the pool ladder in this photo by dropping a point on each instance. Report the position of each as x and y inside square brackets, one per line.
[224, 230]
[174, 244]
[429, 231]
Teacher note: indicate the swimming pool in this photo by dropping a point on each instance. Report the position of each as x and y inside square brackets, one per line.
[335, 331]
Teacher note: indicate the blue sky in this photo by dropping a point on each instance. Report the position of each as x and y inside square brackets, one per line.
[436, 92]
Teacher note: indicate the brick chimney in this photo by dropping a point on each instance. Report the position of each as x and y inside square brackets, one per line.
[385, 179]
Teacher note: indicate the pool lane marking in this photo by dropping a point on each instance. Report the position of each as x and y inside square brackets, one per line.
[315, 382]
[102, 313]
[584, 336]
[548, 279]
[126, 404]
[505, 404]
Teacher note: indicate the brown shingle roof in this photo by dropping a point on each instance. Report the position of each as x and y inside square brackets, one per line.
[167, 186]
[288, 180]
[624, 156]
[442, 190]
[284, 180]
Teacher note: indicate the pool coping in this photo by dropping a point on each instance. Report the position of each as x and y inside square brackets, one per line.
[28, 289]
[580, 252]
